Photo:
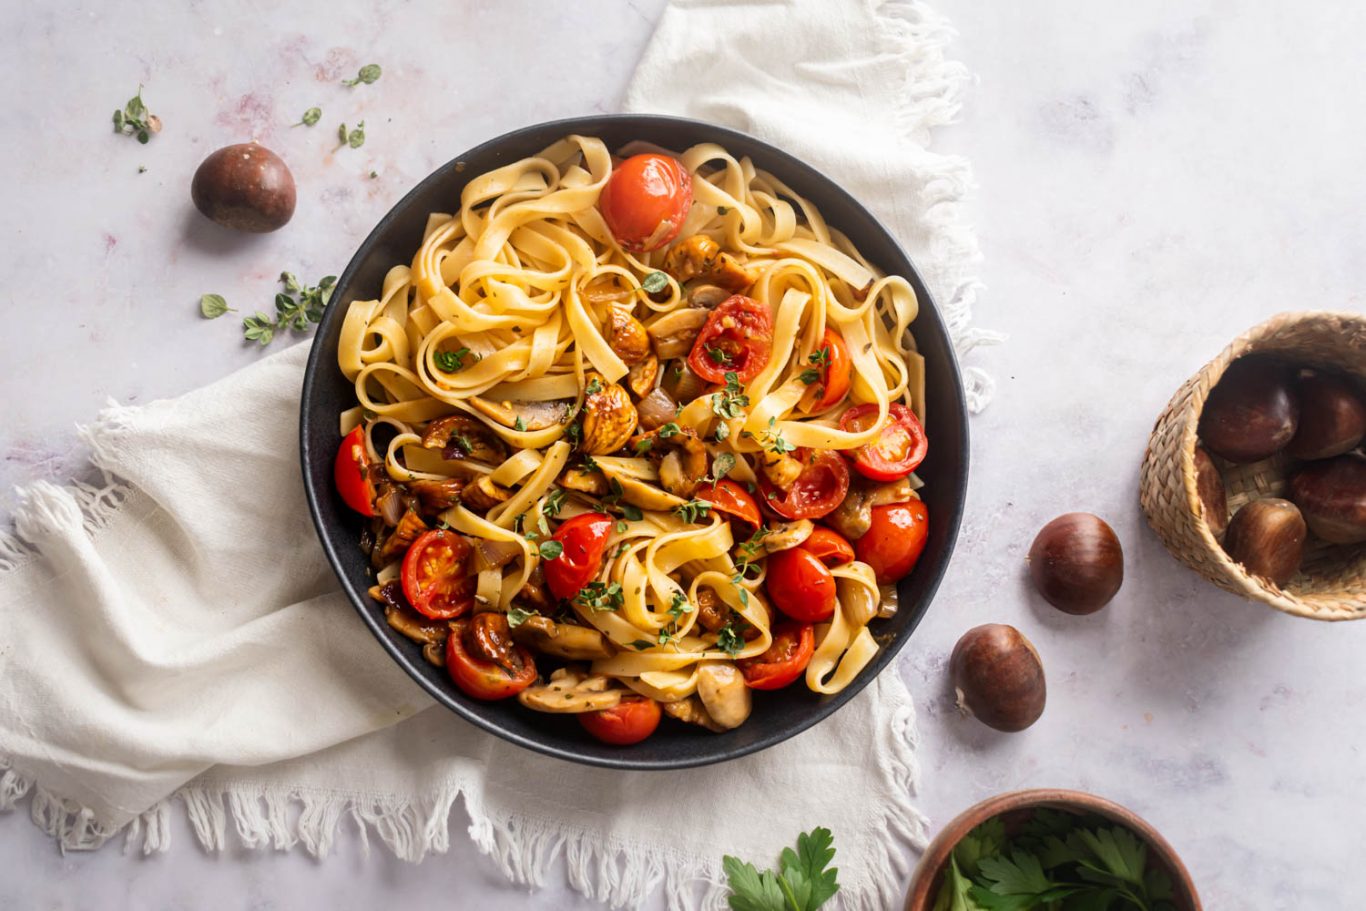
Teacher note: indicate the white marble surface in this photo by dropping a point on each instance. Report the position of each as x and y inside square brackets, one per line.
[1153, 179]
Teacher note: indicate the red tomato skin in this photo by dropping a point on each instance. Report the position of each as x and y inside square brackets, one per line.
[480, 679]
[424, 598]
[348, 473]
[584, 539]
[729, 497]
[625, 724]
[835, 376]
[872, 464]
[820, 488]
[828, 546]
[645, 201]
[800, 586]
[751, 333]
[893, 543]
[785, 660]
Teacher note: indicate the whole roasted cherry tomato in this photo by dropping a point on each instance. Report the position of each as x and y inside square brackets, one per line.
[800, 586]
[835, 368]
[584, 539]
[736, 338]
[896, 451]
[828, 546]
[732, 499]
[350, 473]
[630, 721]
[817, 491]
[784, 661]
[645, 201]
[895, 540]
[435, 579]
[484, 662]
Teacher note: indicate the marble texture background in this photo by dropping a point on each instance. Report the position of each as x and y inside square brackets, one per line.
[1154, 178]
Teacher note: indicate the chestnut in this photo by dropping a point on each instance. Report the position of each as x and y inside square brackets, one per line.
[1332, 417]
[1076, 563]
[998, 677]
[1332, 496]
[1267, 538]
[246, 187]
[1209, 488]
[1252, 413]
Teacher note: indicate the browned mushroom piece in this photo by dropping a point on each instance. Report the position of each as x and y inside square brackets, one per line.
[400, 616]
[589, 482]
[459, 436]
[483, 494]
[436, 496]
[435, 653]
[563, 640]
[522, 415]
[683, 461]
[700, 257]
[706, 296]
[626, 335]
[533, 592]
[691, 711]
[571, 691]
[724, 694]
[854, 515]
[609, 418]
[673, 334]
[641, 378]
[396, 544]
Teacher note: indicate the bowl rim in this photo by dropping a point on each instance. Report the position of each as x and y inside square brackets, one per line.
[919, 897]
[318, 361]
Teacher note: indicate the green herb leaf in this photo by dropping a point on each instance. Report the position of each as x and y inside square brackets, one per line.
[311, 117]
[212, 306]
[654, 282]
[621, 528]
[134, 120]
[718, 355]
[693, 511]
[643, 445]
[554, 502]
[722, 210]
[601, 596]
[1119, 851]
[551, 549]
[669, 430]
[728, 641]
[369, 74]
[356, 138]
[984, 839]
[516, 617]
[722, 465]
[809, 375]
[641, 645]
[752, 890]
[804, 883]
[519, 424]
[259, 328]
[341, 134]
[730, 401]
[631, 511]
[452, 361]
[593, 388]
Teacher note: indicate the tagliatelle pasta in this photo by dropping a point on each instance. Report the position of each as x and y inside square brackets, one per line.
[584, 446]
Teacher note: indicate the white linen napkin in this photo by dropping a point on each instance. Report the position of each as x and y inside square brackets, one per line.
[176, 634]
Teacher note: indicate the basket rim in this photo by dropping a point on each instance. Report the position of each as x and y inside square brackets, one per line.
[1251, 586]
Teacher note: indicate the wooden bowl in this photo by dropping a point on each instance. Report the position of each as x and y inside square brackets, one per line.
[1331, 583]
[928, 874]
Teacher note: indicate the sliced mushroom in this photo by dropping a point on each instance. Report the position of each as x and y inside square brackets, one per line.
[437, 496]
[691, 711]
[723, 692]
[888, 603]
[392, 547]
[787, 535]
[853, 517]
[706, 296]
[483, 494]
[564, 640]
[898, 491]
[780, 469]
[570, 691]
[642, 376]
[701, 257]
[681, 471]
[604, 289]
[533, 415]
[638, 493]
[609, 418]
[460, 436]
[589, 482]
[435, 653]
[673, 333]
[626, 335]
[399, 615]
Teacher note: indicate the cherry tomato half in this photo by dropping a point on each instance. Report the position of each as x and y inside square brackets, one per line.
[896, 451]
[784, 661]
[895, 540]
[817, 491]
[584, 538]
[350, 473]
[435, 579]
[484, 662]
[736, 338]
[828, 546]
[628, 722]
[835, 372]
[645, 201]
[731, 498]
[800, 586]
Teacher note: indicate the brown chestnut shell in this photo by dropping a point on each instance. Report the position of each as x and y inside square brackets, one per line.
[998, 677]
[246, 187]
[1252, 413]
[1332, 417]
[1077, 563]
[1209, 487]
[1332, 496]
[1267, 538]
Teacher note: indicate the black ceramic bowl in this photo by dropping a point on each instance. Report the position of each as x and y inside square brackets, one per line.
[777, 715]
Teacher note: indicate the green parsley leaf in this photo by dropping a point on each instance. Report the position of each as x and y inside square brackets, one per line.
[212, 306]
[984, 839]
[601, 596]
[679, 606]
[752, 890]
[1022, 874]
[369, 74]
[517, 616]
[654, 282]
[1119, 851]
[631, 511]
[311, 117]
[551, 549]
[803, 883]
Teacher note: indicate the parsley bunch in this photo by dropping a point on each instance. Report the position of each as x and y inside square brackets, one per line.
[1058, 860]
[804, 881]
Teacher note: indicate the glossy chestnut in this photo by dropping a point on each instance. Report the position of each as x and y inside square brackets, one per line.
[1252, 413]
[998, 677]
[1267, 538]
[1077, 563]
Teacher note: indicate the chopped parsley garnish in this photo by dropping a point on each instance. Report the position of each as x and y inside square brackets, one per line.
[600, 596]
[680, 606]
[631, 511]
[641, 645]
[452, 361]
[621, 527]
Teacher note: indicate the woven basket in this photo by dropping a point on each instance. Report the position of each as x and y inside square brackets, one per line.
[1331, 582]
